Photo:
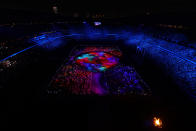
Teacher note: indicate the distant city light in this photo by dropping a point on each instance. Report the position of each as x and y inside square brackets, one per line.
[97, 23]
[157, 122]
[55, 9]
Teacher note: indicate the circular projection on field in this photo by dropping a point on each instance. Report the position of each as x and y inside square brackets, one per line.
[97, 61]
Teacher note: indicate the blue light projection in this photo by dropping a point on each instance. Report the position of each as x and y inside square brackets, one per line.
[125, 79]
[52, 40]
[49, 40]
[92, 33]
[17, 53]
[178, 60]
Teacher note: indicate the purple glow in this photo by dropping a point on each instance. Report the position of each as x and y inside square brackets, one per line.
[97, 23]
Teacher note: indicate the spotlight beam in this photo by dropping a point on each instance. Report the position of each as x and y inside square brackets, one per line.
[18, 52]
[26, 49]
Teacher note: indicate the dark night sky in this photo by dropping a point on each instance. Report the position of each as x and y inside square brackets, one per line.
[123, 6]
